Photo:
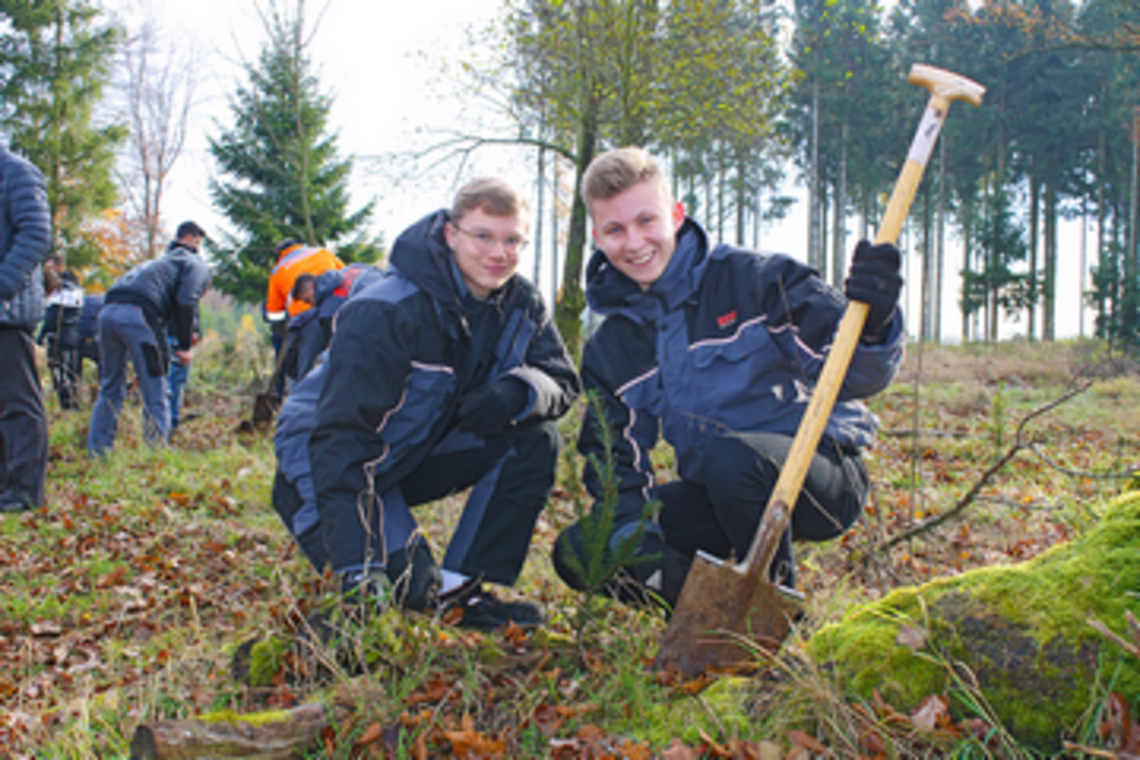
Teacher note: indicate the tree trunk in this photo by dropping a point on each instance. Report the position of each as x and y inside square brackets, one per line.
[1049, 307]
[1034, 208]
[839, 220]
[568, 311]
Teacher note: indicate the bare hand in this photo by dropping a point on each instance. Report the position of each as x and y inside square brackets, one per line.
[183, 356]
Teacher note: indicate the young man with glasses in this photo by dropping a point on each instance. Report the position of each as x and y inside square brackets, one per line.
[445, 374]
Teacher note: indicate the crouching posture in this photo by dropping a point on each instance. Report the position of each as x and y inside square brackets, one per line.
[717, 348]
[444, 374]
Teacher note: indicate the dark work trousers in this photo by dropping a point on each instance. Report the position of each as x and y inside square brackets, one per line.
[23, 423]
[510, 475]
[720, 516]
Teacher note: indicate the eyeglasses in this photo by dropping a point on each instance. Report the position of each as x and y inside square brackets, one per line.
[486, 241]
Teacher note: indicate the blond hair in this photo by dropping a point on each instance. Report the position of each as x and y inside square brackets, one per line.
[614, 172]
[492, 194]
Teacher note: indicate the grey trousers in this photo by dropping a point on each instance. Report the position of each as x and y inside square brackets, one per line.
[125, 334]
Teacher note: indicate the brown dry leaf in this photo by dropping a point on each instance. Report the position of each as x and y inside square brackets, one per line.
[435, 690]
[912, 636]
[419, 748]
[768, 751]
[678, 750]
[46, 628]
[373, 733]
[631, 750]
[474, 744]
[548, 719]
[713, 747]
[808, 742]
[933, 712]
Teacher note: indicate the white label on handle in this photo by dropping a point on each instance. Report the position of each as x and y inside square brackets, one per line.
[926, 135]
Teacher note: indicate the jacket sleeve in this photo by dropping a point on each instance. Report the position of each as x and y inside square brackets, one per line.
[30, 240]
[367, 369]
[549, 372]
[615, 441]
[191, 286]
[803, 315]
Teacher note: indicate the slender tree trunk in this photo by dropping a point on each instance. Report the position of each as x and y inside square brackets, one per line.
[839, 220]
[1034, 210]
[1049, 329]
[940, 243]
[925, 328]
[815, 244]
[538, 212]
[569, 309]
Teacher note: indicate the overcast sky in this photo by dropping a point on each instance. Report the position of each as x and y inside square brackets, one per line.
[381, 62]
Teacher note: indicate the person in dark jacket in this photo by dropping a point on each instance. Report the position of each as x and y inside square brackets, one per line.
[133, 323]
[444, 374]
[25, 239]
[59, 332]
[717, 348]
[311, 330]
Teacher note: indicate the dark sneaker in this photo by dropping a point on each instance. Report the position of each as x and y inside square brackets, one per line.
[415, 578]
[473, 606]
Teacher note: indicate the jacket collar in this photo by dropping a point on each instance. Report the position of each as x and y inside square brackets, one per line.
[608, 291]
[421, 254]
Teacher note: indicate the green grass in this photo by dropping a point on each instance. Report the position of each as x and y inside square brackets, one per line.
[127, 597]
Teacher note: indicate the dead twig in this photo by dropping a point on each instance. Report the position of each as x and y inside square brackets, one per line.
[1020, 442]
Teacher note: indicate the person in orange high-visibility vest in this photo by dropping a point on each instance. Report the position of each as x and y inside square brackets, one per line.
[294, 258]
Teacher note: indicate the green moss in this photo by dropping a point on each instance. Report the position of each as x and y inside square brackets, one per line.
[720, 711]
[262, 718]
[266, 658]
[1022, 630]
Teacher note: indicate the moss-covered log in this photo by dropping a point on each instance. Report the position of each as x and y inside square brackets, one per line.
[1021, 630]
[272, 735]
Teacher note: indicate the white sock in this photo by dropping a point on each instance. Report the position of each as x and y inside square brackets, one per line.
[451, 581]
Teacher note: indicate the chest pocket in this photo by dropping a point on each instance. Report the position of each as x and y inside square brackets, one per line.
[729, 377]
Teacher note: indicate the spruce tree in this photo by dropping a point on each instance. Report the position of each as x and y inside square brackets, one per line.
[282, 176]
[56, 58]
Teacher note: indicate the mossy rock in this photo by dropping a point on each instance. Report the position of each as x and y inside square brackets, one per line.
[1022, 630]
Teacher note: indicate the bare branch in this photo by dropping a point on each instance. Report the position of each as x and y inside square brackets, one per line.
[1019, 444]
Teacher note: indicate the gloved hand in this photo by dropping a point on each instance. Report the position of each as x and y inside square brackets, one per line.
[490, 409]
[874, 280]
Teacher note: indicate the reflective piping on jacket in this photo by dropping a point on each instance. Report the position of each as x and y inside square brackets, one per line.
[730, 338]
[800, 342]
[627, 432]
[293, 258]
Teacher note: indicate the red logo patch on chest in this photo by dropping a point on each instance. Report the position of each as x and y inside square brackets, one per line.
[725, 320]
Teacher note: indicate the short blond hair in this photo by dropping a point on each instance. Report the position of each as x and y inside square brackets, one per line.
[492, 194]
[616, 171]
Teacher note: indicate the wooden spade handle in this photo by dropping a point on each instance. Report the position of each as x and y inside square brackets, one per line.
[945, 88]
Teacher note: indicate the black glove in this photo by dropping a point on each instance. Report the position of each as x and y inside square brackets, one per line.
[874, 280]
[491, 408]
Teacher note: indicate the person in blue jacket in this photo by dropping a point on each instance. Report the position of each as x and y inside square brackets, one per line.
[716, 349]
[444, 374]
[310, 331]
[25, 240]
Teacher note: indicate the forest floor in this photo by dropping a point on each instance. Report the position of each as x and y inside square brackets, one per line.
[125, 599]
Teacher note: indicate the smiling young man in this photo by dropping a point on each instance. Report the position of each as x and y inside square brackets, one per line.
[716, 349]
[445, 374]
